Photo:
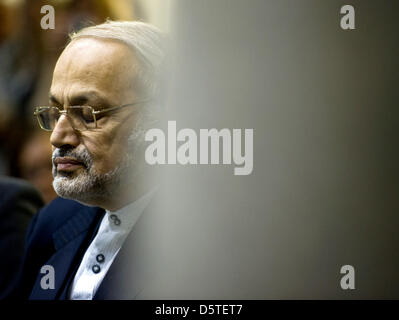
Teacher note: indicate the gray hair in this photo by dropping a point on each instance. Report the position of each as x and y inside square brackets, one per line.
[144, 39]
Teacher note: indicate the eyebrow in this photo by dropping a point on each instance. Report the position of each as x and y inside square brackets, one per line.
[53, 99]
[92, 97]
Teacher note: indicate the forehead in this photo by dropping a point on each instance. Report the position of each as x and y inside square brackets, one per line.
[94, 65]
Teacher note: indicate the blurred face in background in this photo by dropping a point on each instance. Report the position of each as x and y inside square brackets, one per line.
[90, 165]
[35, 164]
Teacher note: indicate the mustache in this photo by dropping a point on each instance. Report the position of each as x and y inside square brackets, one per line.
[82, 155]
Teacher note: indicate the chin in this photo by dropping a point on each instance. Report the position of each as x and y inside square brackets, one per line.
[84, 188]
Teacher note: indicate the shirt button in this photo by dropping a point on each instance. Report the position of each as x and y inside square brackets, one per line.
[100, 258]
[115, 219]
[96, 268]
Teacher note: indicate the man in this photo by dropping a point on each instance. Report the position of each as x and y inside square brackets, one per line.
[34, 163]
[102, 97]
[19, 201]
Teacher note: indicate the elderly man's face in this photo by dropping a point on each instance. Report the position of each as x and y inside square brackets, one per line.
[88, 164]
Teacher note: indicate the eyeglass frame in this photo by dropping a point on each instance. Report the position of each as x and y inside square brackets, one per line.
[65, 112]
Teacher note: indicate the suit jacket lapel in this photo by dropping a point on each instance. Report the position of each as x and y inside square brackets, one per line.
[70, 242]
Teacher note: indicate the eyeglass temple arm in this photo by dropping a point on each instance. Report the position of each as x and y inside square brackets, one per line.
[118, 107]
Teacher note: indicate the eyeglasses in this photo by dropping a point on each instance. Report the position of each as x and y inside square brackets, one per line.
[81, 117]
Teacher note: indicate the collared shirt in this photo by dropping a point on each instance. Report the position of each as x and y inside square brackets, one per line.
[114, 228]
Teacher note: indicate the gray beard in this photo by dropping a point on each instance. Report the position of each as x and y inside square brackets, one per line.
[90, 187]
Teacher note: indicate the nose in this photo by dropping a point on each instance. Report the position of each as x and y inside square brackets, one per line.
[64, 134]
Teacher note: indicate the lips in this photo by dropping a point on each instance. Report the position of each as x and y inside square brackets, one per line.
[67, 164]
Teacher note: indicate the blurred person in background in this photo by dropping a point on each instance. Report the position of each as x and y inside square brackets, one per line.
[19, 61]
[34, 163]
[19, 201]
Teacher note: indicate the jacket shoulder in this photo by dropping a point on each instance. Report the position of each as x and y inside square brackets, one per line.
[17, 194]
[50, 218]
[56, 222]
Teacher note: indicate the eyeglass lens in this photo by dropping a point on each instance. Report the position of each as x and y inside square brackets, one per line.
[81, 117]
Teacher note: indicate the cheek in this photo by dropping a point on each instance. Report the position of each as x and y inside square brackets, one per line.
[106, 152]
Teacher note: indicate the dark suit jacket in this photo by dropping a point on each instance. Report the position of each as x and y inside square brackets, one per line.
[59, 236]
[19, 201]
